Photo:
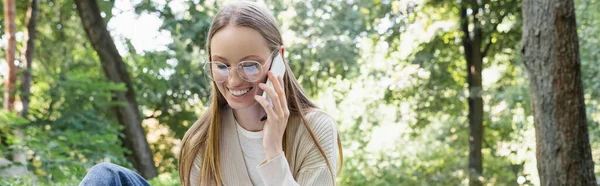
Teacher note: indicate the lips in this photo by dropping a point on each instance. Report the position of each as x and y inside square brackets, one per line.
[238, 93]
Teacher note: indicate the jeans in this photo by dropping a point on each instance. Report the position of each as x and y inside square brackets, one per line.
[113, 175]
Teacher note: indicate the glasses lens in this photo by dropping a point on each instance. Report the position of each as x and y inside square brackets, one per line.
[217, 71]
[250, 70]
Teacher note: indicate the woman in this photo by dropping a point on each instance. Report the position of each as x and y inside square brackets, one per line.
[230, 144]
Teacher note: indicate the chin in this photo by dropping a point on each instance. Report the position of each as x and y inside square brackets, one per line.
[238, 106]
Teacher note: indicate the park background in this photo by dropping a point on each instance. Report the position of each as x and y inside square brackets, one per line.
[393, 74]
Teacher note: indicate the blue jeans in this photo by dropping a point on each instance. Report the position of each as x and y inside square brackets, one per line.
[114, 175]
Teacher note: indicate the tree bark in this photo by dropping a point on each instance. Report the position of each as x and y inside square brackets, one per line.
[29, 49]
[550, 50]
[115, 70]
[474, 58]
[11, 78]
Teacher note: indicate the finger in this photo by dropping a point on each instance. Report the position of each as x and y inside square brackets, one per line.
[272, 94]
[275, 105]
[265, 104]
[278, 86]
[283, 98]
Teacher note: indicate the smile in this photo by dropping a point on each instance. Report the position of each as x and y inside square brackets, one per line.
[239, 92]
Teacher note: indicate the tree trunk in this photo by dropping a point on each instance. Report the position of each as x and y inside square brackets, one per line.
[11, 78]
[474, 57]
[115, 70]
[19, 155]
[29, 49]
[551, 55]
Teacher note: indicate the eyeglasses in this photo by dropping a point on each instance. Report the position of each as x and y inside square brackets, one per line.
[250, 71]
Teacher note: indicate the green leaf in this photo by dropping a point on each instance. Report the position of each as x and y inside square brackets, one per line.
[11, 119]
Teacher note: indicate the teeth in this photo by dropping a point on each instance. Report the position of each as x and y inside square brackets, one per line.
[239, 92]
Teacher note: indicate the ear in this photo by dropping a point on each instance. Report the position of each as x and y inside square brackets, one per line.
[282, 52]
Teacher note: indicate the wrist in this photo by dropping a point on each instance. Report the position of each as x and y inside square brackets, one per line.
[273, 151]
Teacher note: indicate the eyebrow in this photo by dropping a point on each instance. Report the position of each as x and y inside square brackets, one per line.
[242, 59]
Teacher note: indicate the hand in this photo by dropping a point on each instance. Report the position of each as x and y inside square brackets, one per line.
[277, 116]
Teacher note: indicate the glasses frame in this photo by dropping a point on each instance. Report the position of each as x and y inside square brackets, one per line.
[238, 67]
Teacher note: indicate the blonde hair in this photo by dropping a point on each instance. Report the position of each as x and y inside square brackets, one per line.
[203, 137]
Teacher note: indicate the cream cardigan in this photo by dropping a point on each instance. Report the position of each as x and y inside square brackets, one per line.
[303, 164]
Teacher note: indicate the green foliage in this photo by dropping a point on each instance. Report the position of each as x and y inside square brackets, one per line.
[589, 39]
[8, 119]
[392, 74]
[331, 33]
[73, 136]
[171, 179]
[170, 85]
[439, 92]
[70, 127]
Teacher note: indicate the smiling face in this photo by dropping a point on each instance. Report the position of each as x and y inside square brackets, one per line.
[232, 45]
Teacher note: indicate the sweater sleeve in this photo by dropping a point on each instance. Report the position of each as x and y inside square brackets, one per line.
[195, 172]
[314, 169]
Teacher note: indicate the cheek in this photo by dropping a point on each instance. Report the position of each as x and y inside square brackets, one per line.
[221, 88]
[258, 90]
[263, 78]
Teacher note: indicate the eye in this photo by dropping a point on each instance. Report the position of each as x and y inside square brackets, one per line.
[221, 66]
[249, 65]
[250, 68]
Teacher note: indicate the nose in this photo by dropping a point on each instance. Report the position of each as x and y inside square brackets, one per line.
[234, 77]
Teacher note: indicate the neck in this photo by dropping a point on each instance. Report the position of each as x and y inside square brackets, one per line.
[249, 118]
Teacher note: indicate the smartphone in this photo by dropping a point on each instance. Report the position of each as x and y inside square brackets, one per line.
[278, 69]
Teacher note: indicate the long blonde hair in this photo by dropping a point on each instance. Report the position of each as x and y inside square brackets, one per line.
[203, 136]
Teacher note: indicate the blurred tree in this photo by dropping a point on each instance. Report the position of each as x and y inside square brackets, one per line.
[175, 84]
[475, 50]
[28, 51]
[70, 125]
[172, 87]
[64, 132]
[550, 50]
[327, 36]
[10, 79]
[465, 32]
[116, 70]
[589, 38]
[390, 72]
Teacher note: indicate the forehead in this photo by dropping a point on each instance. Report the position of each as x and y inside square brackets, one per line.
[235, 42]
